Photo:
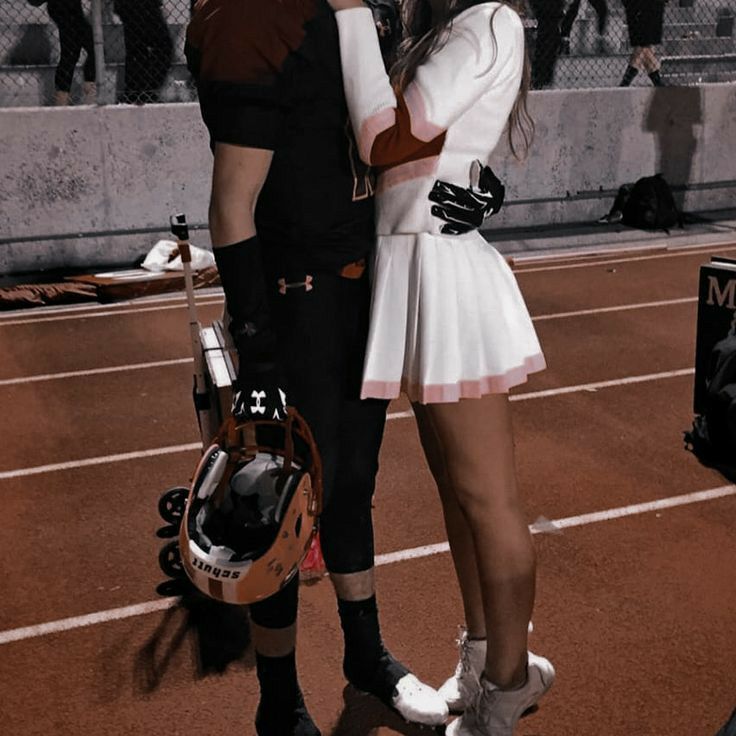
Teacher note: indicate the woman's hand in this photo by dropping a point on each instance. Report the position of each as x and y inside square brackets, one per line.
[345, 4]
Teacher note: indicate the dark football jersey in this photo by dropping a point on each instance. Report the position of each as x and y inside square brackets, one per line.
[268, 75]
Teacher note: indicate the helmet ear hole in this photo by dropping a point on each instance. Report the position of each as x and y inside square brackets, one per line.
[298, 527]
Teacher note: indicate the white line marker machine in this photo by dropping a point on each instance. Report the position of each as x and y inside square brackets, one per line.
[214, 374]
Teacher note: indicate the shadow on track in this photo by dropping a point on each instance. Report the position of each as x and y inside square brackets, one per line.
[219, 635]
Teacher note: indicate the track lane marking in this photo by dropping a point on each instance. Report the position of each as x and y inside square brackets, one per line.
[617, 308]
[200, 294]
[611, 261]
[94, 371]
[117, 614]
[173, 361]
[173, 449]
[518, 265]
[100, 460]
[109, 313]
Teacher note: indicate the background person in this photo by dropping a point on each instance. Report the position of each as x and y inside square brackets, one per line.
[449, 326]
[601, 10]
[549, 14]
[75, 34]
[148, 49]
[645, 21]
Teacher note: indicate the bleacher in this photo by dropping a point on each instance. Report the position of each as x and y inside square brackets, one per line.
[699, 45]
[29, 48]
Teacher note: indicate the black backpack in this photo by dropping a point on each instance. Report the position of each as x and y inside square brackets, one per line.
[651, 205]
[713, 435]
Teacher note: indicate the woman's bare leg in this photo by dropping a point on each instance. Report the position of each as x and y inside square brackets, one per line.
[476, 441]
[459, 535]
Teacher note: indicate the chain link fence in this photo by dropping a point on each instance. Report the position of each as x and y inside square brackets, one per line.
[110, 51]
[590, 43]
[93, 51]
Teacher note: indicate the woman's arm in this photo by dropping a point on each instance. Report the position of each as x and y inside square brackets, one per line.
[392, 128]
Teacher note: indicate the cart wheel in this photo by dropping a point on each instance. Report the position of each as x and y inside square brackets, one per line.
[171, 505]
[169, 559]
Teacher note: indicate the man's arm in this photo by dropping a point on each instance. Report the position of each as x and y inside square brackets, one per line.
[237, 178]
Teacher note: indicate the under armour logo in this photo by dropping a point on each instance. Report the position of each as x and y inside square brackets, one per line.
[284, 284]
[259, 396]
[279, 411]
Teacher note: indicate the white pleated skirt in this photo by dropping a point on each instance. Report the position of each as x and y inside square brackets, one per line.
[448, 321]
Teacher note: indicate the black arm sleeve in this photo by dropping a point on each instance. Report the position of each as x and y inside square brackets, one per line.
[241, 273]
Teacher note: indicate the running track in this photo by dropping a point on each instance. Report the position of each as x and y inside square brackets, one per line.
[636, 541]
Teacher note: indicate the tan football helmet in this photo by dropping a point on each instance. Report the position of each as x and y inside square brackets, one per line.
[252, 509]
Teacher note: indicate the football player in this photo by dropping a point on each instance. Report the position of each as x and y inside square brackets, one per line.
[292, 225]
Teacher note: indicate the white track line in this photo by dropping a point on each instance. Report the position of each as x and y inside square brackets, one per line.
[619, 308]
[601, 384]
[632, 259]
[199, 295]
[103, 460]
[556, 526]
[116, 614]
[118, 307]
[157, 364]
[107, 313]
[79, 622]
[94, 371]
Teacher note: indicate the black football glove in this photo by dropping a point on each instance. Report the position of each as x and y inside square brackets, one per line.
[258, 396]
[257, 392]
[465, 208]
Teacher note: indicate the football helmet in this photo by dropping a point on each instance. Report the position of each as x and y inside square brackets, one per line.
[252, 509]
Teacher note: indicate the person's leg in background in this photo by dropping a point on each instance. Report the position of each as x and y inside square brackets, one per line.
[601, 10]
[644, 19]
[69, 19]
[135, 51]
[89, 87]
[160, 48]
[566, 25]
[549, 14]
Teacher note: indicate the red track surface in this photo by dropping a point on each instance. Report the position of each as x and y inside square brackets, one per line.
[637, 613]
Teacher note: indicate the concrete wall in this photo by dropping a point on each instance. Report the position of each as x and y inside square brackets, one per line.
[589, 142]
[93, 186]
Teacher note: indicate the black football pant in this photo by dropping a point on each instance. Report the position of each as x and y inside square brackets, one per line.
[75, 34]
[600, 7]
[148, 48]
[549, 14]
[322, 334]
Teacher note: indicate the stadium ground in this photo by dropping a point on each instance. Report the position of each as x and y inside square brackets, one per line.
[635, 540]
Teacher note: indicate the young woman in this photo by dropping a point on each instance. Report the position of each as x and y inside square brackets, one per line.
[449, 326]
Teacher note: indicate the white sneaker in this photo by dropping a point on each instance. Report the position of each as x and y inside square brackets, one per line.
[463, 686]
[419, 703]
[496, 712]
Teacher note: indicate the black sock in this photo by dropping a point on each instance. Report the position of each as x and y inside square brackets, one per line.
[656, 78]
[629, 75]
[367, 664]
[278, 680]
[281, 710]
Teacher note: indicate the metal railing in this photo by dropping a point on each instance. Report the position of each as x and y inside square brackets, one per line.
[110, 51]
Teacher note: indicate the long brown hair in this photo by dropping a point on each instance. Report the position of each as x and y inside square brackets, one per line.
[424, 35]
